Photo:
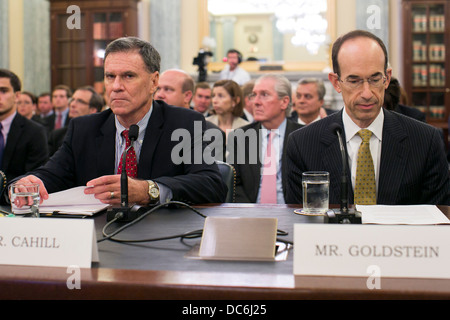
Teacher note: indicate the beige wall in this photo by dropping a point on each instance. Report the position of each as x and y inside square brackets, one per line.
[16, 45]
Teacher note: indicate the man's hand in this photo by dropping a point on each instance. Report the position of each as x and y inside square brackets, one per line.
[107, 189]
[43, 194]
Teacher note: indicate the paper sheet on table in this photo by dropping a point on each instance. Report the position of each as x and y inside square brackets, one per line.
[72, 201]
[414, 214]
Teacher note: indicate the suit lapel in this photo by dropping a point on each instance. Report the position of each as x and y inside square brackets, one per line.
[14, 135]
[105, 143]
[394, 155]
[151, 140]
[331, 158]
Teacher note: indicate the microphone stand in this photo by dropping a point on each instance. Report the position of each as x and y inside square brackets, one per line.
[343, 215]
[124, 213]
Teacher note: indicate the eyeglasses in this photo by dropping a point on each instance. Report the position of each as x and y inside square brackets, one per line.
[376, 81]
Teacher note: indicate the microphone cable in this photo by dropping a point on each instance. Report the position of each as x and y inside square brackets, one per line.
[188, 235]
[145, 214]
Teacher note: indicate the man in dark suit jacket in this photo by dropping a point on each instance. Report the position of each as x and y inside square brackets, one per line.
[245, 144]
[25, 142]
[90, 153]
[85, 100]
[408, 155]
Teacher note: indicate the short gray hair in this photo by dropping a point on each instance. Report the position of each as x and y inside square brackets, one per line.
[283, 88]
[149, 54]
[319, 84]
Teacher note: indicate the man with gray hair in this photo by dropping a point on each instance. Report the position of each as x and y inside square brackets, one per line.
[309, 99]
[257, 150]
[92, 151]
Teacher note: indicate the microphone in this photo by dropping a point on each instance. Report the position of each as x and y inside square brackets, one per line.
[133, 134]
[344, 214]
[124, 213]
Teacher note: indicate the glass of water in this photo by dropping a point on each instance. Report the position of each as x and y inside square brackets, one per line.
[316, 187]
[24, 198]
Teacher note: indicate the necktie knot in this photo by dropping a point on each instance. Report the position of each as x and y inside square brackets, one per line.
[365, 135]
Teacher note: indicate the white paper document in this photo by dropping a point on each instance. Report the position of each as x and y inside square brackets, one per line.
[72, 201]
[414, 214]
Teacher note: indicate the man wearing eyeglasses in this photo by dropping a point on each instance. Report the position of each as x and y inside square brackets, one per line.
[84, 101]
[403, 160]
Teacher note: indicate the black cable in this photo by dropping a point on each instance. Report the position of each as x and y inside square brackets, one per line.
[145, 214]
[188, 235]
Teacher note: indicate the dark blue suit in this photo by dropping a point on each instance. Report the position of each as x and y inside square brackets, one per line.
[413, 167]
[88, 152]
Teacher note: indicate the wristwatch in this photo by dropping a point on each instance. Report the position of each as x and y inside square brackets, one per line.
[153, 192]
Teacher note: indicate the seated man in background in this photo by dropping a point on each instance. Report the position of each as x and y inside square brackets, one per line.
[202, 98]
[259, 177]
[392, 159]
[92, 151]
[175, 88]
[309, 100]
[23, 143]
[84, 101]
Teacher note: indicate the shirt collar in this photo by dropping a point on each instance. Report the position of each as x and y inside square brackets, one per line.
[351, 128]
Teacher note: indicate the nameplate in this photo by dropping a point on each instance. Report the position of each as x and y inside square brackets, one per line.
[48, 242]
[359, 250]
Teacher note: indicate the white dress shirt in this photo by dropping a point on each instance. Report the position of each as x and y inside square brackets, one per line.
[353, 141]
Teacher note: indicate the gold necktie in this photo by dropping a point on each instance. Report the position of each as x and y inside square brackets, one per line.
[365, 188]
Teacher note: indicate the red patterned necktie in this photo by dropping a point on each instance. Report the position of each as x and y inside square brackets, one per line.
[131, 161]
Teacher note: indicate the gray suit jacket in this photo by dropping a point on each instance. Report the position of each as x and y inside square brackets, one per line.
[413, 167]
[248, 173]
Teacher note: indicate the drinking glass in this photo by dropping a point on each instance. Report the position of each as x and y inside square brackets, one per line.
[315, 185]
[24, 198]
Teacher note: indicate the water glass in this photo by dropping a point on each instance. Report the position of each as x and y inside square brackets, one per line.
[316, 187]
[24, 198]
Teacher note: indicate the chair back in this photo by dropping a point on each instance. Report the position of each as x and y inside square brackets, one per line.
[229, 177]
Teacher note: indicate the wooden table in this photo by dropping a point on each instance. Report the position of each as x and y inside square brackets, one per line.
[159, 270]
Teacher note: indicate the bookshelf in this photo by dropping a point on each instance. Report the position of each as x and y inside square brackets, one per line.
[77, 53]
[426, 30]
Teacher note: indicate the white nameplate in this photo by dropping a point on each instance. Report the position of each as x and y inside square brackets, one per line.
[354, 250]
[49, 242]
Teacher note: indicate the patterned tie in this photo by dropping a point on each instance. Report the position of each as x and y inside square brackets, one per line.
[269, 178]
[365, 188]
[131, 161]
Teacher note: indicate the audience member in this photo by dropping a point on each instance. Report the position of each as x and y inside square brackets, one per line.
[202, 98]
[232, 71]
[272, 99]
[85, 100]
[247, 89]
[91, 153]
[26, 104]
[175, 88]
[23, 143]
[60, 101]
[406, 164]
[309, 99]
[228, 106]
[392, 102]
[44, 111]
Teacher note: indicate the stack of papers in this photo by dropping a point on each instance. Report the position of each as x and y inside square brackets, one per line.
[414, 215]
[72, 201]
